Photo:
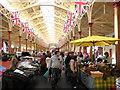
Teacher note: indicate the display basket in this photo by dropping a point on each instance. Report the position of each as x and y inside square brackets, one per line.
[96, 74]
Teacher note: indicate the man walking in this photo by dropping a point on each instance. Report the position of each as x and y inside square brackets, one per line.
[55, 65]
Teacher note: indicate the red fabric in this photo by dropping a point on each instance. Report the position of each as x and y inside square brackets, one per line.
[113, 88]
[42, 61]
[6, 64]
[84, 49]
[63, 68]
[1, 73]
[100, 50]
[85, 54]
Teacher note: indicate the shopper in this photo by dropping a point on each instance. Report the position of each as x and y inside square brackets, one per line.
[107, 58]
[79, 57]
[14, 62]
[67, 63]
[43, 64]
[73, 71]
[55, 65]
[48, 61]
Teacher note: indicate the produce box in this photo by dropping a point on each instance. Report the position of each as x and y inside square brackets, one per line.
[96, 74]
[94, 83]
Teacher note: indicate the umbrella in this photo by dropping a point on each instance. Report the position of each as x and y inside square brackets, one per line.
[94, 41]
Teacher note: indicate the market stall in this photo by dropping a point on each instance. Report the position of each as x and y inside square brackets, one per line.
[18, 72]
[97, 77]
[98, 73]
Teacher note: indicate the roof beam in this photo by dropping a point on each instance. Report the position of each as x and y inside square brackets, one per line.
[27, 7]
[63, 8]
[97, 10]
[103, 22]
[1, 26]
[102, 16]
[59, 24]
[44, 22]
[42, 28]
[38, 16]
[38, 24]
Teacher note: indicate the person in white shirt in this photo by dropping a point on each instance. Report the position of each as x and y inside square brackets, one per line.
[73, 67]
[79, 57]
[48, 61]
[107, 58]
[55, 71]
[65, 55]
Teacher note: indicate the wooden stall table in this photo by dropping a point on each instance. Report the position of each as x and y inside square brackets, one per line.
[97, 83]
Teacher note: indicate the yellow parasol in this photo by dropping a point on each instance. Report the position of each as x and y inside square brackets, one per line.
[94, 41]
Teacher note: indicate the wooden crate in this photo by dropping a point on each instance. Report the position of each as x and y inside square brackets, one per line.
[96, 74]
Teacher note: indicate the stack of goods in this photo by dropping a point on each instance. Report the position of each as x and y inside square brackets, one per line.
[118, 83]
[96, 74]
[105, 69]
[19, 76]
[7, 56]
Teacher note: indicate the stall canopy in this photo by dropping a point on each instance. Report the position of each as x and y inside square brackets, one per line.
[94, 41]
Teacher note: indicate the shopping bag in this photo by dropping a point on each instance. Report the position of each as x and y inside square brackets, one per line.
[46, 74]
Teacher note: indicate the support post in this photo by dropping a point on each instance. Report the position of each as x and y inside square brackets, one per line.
[79, 38]
[26, 44]
[9, 41]
[117, 30]
[36, 47]
[19, 44]
[74, 45]
[90, 34]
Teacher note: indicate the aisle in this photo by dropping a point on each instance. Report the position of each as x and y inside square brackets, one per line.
[41, 82]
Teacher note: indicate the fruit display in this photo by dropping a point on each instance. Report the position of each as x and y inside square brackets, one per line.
[107, 70]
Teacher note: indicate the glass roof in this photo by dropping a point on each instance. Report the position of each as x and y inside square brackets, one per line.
[47, 9]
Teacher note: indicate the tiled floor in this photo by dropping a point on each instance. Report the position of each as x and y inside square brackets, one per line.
[41, 82]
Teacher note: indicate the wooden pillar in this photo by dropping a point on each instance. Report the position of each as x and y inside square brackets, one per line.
[19, 44]
[31, 44]
[74, 45]
[26, 44]
[9, 41]
[79, 38]
[36, 47]
[117, 30]
[65, 47]
[90, 34]
[68, 45]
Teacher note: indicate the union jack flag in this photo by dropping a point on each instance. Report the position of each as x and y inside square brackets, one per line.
[16, 18]
[80, 6]
[66, 27]
[70, 18]
[31, 32]
[25, 27]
